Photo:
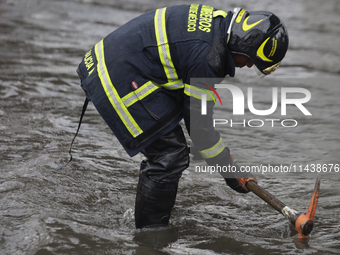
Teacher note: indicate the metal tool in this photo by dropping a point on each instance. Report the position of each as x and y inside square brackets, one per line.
[303, 222]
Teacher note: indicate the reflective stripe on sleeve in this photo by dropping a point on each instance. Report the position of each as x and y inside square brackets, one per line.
[178, 84]
[213, 151]
[112, 93]
[197, 92]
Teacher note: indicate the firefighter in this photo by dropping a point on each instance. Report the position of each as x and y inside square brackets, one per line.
[138, 78]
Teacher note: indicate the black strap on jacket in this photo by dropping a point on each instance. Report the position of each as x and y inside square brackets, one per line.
[81, 118]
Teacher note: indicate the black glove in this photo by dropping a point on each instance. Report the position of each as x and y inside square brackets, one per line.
[235, 179]
[238, 180]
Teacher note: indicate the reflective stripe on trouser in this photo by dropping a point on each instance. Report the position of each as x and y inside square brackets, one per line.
[112, 93]
[214, 150]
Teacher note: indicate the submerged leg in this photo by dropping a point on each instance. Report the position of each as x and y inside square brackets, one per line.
[158, 181]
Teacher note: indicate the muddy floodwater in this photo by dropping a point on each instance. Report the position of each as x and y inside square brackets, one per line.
[87, 207]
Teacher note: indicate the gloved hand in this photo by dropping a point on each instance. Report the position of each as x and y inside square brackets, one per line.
[239, 180]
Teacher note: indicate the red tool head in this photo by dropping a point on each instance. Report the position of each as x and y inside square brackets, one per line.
[305, 222]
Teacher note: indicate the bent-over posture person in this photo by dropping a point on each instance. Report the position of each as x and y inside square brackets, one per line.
[138, 78]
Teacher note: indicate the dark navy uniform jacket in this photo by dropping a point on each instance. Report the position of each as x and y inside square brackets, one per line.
[138, 77]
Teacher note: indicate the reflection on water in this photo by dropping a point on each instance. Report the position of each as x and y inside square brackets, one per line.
[87, 207]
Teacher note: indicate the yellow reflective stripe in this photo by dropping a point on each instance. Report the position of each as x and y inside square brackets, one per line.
[260, 51]
[220, 13]
[139, 93]
[163, 45]
[239, 16]
[245, 25]
[213, 151]
[196, 92]
[112, 93]
[178, 84]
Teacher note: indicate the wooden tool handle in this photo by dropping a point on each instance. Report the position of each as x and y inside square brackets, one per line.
[266, 196]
